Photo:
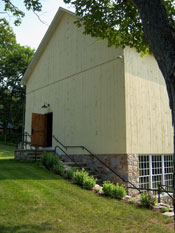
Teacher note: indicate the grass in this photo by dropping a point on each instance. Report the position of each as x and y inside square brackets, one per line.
[33, 200]
[6, 151]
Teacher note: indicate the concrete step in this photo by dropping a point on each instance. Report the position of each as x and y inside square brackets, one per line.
[72, 164]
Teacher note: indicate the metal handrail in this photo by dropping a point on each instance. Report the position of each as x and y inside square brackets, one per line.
[24, 142]
[162, 189]
[67, 155]
[159, 190]
[87, 150]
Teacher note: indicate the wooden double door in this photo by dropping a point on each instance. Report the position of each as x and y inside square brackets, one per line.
[41, 129]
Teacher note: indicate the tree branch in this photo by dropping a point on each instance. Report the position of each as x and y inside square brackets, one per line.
[40, 18]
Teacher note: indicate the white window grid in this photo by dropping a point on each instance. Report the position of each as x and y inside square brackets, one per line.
[144, 172]
[157, 165]
[154, 170]
[168, 170]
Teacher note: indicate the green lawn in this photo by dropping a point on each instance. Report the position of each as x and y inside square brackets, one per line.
[33, 200]
[6, 152]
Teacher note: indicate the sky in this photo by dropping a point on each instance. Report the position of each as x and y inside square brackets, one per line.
[31, 31]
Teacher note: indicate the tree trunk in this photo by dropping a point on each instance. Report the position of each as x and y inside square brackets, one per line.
[173, 116]
[160, 37]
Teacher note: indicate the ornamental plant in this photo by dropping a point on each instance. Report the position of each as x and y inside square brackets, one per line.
[58, 169]
[147, 200]
[119, 191]
[82, 178]
[70, 173]
[108, 188]
[116, 191]
[89, 182]
[165, 209]
[49, 160]
[132, 201]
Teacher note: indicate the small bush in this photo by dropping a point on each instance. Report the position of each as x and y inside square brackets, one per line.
[58, 169]
[82, 178]
[165, 209]
[119, 191]
[147, 200]
[70, 173]
[132, 201]
[89, 182]
[49, 160]
[98, 190]
[79, 176]
[108, 188]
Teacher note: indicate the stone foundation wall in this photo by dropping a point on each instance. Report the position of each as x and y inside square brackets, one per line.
[23, 154]
[30, 155]
[127, 166]
[133, 171]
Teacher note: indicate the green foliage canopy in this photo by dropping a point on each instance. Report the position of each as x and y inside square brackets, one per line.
[9, 6]
[117, 21]
[14, 60]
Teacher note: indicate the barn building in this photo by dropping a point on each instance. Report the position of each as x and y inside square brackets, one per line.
[108, 99]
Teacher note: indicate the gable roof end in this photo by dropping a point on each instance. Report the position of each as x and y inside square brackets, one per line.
[44, 42]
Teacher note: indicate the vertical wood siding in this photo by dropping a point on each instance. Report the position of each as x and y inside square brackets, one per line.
[148, 117]
[83, 81]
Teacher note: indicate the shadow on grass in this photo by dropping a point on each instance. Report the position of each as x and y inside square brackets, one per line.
[26, 228]
[11, 169]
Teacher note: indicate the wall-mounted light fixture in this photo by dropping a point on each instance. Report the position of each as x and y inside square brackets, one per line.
[45, 105]
[119, 57]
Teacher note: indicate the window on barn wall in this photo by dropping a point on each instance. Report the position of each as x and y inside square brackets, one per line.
[144, 172]
[157, 175]
[154, 170]
[168, 166]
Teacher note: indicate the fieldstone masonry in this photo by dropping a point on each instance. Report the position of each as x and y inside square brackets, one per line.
[126, 165]
[30, 155]
[133, 169]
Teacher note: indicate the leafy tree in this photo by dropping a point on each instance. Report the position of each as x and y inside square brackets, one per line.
[14, 60]
[9, 6]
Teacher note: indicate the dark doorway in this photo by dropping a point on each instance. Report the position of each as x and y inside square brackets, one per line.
[38, 130]
[49, 119]
[41, 131]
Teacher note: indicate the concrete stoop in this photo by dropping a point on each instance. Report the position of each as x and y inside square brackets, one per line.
[30, 155]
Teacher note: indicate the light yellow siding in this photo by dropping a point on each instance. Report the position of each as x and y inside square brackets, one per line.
[83, 81]
[148, 117]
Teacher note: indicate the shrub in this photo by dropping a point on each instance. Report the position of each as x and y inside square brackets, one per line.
[70, 173]
[119, 191]
[89, 182]
[98, 190]
[49, 159]
[165, 209]
[147, 200]
[132, 201]
[82, 178]
[58, 169]
[108, 188]
[79, 176]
